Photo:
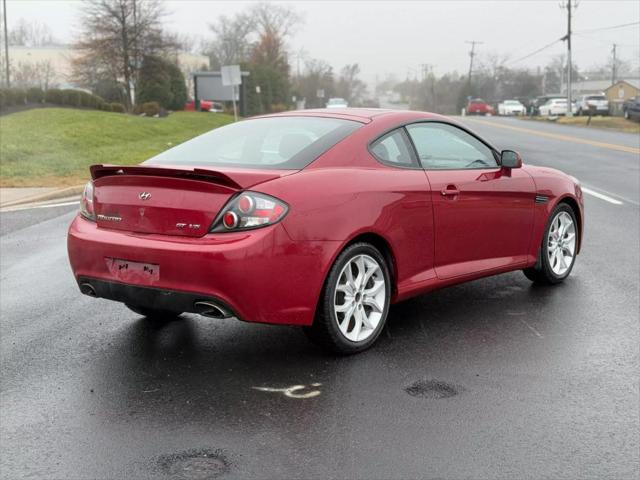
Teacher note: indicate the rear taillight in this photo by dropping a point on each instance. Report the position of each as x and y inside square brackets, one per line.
[249, 210]
[86, 203]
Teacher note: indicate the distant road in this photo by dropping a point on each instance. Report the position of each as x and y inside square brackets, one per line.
[604, 161]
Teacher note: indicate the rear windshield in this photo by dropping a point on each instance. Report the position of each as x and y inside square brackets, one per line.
[287, 143]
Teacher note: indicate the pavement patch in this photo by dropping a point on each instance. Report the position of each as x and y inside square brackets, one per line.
[432, 389]
[201, 464]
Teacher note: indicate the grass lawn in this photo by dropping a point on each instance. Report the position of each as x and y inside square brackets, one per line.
[55, 146]
[613, 123]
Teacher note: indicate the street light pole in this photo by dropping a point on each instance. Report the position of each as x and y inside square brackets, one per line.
[6, 43]
[568, 6]
[614, 66]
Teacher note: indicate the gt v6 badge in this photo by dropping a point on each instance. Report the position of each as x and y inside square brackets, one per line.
[191, 226]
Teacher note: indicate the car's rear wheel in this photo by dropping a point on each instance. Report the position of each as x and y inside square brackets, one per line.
[354, 303]
[558, 249]
[153, 313]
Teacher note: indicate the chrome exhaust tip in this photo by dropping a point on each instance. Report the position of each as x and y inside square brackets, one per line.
[211, 310]
[88, 289]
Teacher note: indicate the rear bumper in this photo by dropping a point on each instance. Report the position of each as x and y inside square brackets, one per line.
[260, 275]
[158, 298]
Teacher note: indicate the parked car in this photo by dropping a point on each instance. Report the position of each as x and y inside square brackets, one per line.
[631, 108]
[205, 106]
[556, 106]
[337, 103]
[320, 220]
[541, 100]
[477, 106]
[511, 107]
[597, 104]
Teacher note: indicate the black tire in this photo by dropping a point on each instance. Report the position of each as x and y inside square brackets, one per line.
[325, 331]
[153, 313]
[542, 273]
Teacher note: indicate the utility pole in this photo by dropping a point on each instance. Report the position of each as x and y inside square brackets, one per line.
[613, 65]
[567, 37]
[472, 54]
[6, 43]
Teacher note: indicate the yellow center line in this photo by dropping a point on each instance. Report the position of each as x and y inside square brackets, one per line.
[558, 136]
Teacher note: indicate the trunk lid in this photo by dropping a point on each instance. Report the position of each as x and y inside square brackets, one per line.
[167, 200]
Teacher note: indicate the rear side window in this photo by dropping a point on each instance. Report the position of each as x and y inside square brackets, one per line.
[286, 143]
[394, 149]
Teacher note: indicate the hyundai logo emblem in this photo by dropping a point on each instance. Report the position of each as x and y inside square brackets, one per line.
[144, 195]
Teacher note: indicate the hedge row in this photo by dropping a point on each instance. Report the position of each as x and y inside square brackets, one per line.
[72, 98]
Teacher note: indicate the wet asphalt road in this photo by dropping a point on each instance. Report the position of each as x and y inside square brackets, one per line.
[513, 381]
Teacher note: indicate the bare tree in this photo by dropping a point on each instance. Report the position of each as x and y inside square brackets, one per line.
[350, 86]
[277, 20]
[30, 34]
[36, 74]
[116, 35]
[232, 43]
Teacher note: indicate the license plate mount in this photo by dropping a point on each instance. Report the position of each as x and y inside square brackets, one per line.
[128, 271]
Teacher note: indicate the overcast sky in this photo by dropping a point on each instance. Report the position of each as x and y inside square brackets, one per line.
[395, 37]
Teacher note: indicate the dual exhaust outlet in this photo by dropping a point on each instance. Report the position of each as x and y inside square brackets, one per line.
[205, 308]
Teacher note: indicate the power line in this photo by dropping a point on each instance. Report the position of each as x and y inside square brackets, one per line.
[537, 51]
[608, 28]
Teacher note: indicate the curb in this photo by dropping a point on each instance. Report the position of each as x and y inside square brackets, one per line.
[60, 193]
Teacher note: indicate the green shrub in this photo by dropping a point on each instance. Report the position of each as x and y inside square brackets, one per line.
[35, 95]
[53, 95]
[6, 100]
[19, 96]
[163, 82]
[151, 108]
[117, 107]
[73, 98]
[278, 107]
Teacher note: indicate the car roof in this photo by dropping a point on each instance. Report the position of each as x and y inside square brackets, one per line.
[362, 115]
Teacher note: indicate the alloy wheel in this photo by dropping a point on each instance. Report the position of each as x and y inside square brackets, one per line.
[360, 298]
[561, 243]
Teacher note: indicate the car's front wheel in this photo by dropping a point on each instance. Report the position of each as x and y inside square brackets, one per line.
[354, 303]
[558, 249]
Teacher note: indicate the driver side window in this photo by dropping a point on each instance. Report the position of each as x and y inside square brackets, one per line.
[444, 147]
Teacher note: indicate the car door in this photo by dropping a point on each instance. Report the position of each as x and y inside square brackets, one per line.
[483, 214]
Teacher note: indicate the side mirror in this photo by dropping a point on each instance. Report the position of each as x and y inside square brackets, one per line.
[510, 159]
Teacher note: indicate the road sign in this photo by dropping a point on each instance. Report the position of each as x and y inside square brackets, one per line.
[231, 75]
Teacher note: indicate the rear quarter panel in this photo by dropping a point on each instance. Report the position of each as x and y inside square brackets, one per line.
[334, 203]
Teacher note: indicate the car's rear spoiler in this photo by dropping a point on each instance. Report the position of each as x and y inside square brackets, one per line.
[212, 176]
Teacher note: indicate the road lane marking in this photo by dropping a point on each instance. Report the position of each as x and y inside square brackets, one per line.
[558, 136]
[601, 196]
[49, 205]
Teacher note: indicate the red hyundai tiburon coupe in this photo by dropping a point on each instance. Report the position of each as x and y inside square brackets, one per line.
[320, 219]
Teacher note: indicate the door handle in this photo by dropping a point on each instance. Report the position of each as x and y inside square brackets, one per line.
[450, 191]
